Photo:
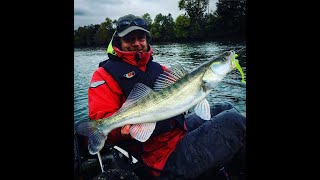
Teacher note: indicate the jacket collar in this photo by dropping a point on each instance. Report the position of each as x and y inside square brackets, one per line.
[139, 59]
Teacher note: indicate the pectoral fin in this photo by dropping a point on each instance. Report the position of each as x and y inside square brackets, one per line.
[202, 109]
[142, 132]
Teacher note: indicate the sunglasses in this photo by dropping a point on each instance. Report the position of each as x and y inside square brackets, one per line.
[127, 23]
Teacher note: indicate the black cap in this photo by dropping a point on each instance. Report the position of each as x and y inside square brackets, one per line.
[129, 23]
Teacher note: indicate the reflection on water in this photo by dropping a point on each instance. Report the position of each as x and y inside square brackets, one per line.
[189, 55]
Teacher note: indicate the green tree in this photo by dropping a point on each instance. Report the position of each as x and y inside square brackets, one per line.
[182, 27]
[233, 9]
[195, 9]
[162, 28]
[148, 20]
[210, 25]
[104, 33]
[231, 19]
[84, 36]
[80, 37]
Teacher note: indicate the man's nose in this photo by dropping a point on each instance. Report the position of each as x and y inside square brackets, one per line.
[135, 41]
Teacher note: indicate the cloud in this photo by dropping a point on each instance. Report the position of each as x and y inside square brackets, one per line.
[79, 12]
[111, 2]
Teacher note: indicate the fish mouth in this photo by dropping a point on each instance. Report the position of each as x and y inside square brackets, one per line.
[230, 58]
[227, 57]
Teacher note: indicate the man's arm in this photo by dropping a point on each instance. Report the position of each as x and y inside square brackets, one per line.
[104, 99]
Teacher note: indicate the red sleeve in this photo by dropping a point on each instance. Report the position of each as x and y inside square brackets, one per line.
[104, 99]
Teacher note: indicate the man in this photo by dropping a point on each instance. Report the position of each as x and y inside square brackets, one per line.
[171, 149]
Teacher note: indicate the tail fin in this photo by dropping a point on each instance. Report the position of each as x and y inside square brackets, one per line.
[96, 138]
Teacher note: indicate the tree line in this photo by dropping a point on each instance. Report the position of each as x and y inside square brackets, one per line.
[227, 22]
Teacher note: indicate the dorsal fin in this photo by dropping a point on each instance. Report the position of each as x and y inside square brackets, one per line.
[138, 91]
[169, 77]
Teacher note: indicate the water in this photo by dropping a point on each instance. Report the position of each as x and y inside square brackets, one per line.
[189, 55]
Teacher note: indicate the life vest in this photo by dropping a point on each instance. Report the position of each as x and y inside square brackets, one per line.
[127, 75]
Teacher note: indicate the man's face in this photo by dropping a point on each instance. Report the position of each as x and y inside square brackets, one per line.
[134, 41]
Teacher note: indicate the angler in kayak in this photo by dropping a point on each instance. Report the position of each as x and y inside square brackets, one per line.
[138, 104]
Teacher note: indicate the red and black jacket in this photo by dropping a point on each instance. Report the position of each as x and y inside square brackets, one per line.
[111, 84]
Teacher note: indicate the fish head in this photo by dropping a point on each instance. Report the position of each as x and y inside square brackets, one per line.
[219, 68]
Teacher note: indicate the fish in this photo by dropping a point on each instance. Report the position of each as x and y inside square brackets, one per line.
[175, 91]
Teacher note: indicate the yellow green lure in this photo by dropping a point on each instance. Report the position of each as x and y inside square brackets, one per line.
[236, 62]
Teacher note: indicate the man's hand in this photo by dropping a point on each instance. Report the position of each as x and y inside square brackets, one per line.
[125, 131]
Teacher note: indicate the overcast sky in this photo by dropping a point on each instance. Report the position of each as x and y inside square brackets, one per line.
[87, 12]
